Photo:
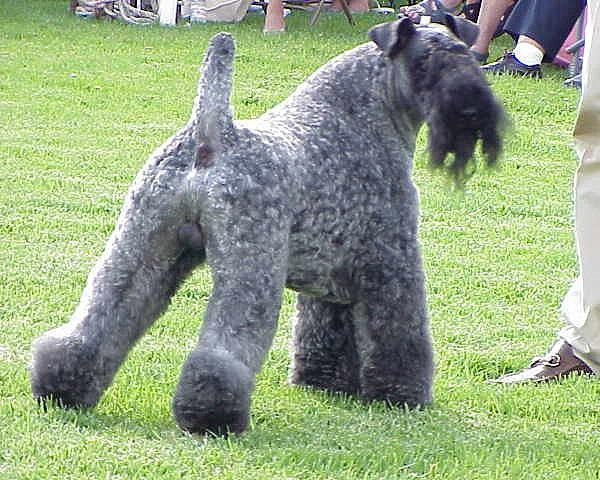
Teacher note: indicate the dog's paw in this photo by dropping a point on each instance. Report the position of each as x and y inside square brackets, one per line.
[62, 371]
[213, 394]
[413, 395]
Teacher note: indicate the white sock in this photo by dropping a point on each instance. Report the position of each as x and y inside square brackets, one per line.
[528, 54]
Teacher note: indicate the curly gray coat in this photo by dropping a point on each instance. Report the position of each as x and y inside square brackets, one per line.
[315, 195]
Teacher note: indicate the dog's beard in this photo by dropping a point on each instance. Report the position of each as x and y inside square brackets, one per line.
[461, 114]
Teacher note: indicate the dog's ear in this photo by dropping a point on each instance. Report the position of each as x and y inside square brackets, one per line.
[465, 30]
[392, 37]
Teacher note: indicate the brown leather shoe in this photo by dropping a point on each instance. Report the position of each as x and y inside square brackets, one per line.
[559, 362]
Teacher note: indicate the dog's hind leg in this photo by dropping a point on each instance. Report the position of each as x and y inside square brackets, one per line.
[150, 251]
[323, 347]
[155, 245]
[248, 259]
[391, 330]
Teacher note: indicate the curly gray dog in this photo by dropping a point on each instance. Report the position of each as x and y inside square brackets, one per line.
[315, 195]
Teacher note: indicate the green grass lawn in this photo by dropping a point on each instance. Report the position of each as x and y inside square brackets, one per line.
[83, 103]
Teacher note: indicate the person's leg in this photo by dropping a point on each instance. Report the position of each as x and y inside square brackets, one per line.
[581, 306]
[580, 338]
[539, 32]
[274, 18]
[489, 17]
[548, 22]
[528, 51]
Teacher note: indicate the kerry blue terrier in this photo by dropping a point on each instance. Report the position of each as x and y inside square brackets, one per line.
[315, 195]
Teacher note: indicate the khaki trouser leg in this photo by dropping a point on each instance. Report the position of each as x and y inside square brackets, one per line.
[581, 306]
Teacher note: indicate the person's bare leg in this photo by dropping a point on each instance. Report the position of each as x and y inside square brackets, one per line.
[274, 18]
[489, 17]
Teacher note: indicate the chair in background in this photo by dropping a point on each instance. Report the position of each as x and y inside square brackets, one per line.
[570, 55]
[315, 6]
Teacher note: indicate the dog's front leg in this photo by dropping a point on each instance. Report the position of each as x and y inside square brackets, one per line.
[391, 327]
[248, 260]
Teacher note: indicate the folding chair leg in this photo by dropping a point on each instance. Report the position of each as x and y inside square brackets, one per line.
[347, 12]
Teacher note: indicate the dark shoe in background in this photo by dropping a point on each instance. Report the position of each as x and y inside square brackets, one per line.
[507, 64]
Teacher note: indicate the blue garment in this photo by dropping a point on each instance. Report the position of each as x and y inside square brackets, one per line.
[548, 22]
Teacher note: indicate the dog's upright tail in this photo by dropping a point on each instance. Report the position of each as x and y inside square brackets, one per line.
[211, 115]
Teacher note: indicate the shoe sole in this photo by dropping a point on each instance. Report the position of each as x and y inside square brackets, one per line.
[515, 73]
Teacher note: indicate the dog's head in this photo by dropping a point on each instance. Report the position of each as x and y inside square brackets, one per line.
[453, 95]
